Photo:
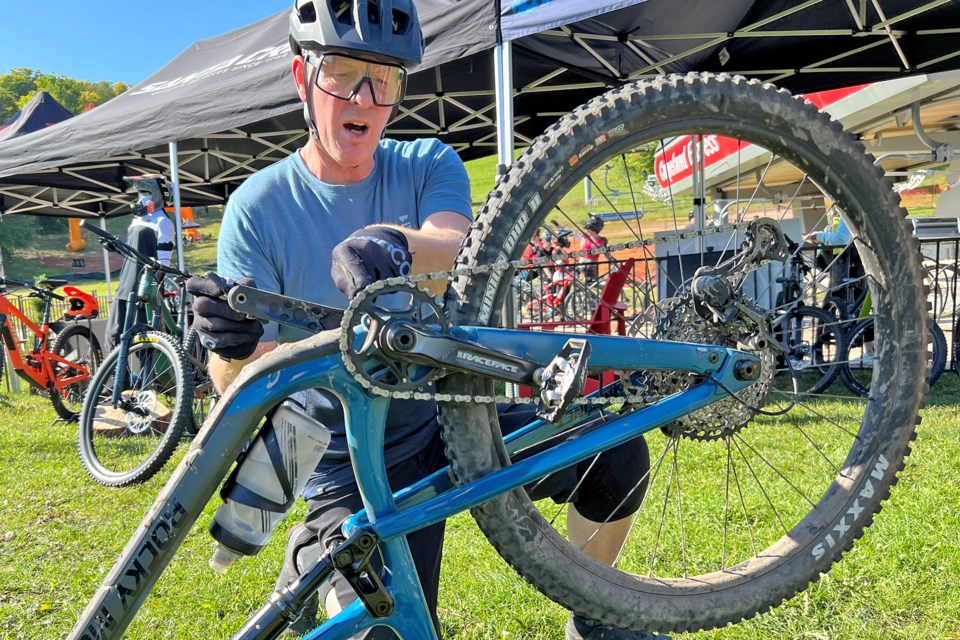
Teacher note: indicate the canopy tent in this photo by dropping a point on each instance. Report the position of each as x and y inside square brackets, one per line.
[40, 112]
[229, 102]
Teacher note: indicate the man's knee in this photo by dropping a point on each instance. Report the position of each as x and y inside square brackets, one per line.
[613, 486]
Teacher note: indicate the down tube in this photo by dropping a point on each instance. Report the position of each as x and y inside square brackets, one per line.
[314, 362]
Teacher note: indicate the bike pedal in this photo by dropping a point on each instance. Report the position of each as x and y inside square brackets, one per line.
[563, 379]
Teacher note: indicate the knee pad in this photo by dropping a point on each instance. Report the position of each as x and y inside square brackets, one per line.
[615, 483]
[303, 547]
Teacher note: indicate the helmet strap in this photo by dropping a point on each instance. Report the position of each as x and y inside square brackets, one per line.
[308, 103]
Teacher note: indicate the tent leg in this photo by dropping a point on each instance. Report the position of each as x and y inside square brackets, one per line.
[106, 262]
[175, 180]
[503, 65]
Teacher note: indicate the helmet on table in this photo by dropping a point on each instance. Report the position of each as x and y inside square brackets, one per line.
[81, 303]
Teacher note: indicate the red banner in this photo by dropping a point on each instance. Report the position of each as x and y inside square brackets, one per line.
[675, 162]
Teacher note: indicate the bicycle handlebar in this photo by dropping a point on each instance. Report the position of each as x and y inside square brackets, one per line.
[39, 290]
[111, 242]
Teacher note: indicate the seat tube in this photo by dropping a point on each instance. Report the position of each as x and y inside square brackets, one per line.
[125, 336]
[365, 417]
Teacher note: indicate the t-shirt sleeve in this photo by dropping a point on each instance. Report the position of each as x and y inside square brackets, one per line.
[446, 186]
[240, 254]
[166, 232]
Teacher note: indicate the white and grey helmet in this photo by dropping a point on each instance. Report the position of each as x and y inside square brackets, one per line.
[387, 28]
[155, 185]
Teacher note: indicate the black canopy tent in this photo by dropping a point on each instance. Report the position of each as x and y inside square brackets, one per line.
[40, 112]
[229, 104]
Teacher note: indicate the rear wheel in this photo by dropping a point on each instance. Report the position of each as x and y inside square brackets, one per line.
[742, 509]
[127, 442]
[78, 344]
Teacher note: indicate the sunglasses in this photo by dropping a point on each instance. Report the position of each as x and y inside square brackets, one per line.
[341, 76]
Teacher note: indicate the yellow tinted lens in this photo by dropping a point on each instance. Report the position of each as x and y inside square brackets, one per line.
[387, 83]
[342, 76]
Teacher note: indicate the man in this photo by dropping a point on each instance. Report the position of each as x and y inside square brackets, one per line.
[594, 244]
[359, 208]
[152, 234]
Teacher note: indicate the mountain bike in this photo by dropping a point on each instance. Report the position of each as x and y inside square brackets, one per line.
[152, 388]
[754, 490]
[812, 339]
[63, 370]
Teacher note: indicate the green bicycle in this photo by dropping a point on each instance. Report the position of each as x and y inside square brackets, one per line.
[153, 388]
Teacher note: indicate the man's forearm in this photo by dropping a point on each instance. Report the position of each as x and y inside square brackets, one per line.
[435, 246]
[223, 372]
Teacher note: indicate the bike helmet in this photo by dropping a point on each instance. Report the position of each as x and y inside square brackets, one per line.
[594, 223]
[82, 304]
[155, 185]
[388, 28]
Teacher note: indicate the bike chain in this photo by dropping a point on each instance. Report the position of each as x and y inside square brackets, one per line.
[349, 355]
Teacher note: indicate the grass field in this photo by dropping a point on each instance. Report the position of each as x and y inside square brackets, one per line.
[60, 533]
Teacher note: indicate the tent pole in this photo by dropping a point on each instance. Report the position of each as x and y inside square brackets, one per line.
[106, 262]
[503, 78]
[503, 66]
[175, 179]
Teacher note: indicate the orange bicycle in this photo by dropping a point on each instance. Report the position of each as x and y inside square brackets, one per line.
[65, 370]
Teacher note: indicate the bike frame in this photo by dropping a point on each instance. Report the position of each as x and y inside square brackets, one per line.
[42, 375]
[149, 294]
[387, 518]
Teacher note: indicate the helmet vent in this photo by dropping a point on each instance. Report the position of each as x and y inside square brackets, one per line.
[308, 13]
[342, 11]
[401, 22]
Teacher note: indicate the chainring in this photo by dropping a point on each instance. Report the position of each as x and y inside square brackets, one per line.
[371, 309]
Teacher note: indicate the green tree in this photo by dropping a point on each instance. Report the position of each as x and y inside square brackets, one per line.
[14, 85]
[19, 86]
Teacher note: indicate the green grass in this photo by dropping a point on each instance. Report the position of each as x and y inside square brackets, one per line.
[60, 533]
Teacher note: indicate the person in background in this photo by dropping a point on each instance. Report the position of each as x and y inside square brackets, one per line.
[594, 244]
[151, 233]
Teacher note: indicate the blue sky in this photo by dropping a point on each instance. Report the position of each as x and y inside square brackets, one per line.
[108, 40]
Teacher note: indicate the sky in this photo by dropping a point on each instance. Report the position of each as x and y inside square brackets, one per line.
[115, 41]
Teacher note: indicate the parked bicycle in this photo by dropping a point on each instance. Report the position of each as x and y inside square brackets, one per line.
[812, 339]
[152, 388]
[64, 370]
[861, 348]
[754, 491]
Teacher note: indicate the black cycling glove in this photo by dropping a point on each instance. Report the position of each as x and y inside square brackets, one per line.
[368, 255]
[225, 332]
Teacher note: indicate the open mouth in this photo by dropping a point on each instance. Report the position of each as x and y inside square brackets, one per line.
[355, 127]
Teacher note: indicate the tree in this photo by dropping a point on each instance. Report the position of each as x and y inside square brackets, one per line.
[19, 86]
[13, 86]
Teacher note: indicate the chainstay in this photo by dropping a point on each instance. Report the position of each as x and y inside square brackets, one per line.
[499, 266]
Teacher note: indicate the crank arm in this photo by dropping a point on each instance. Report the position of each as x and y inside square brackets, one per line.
[292, 312]
[430, 346]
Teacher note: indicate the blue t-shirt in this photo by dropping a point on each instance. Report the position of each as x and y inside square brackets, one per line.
[280, 228]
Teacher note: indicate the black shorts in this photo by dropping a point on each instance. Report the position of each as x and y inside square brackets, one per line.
[327, 512]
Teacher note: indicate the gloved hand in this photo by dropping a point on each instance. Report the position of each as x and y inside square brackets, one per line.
[368, 255]
[230, 335]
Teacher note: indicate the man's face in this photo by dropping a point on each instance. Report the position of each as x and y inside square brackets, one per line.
[349, 130]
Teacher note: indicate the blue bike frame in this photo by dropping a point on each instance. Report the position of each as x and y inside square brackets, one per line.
[316, 363]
